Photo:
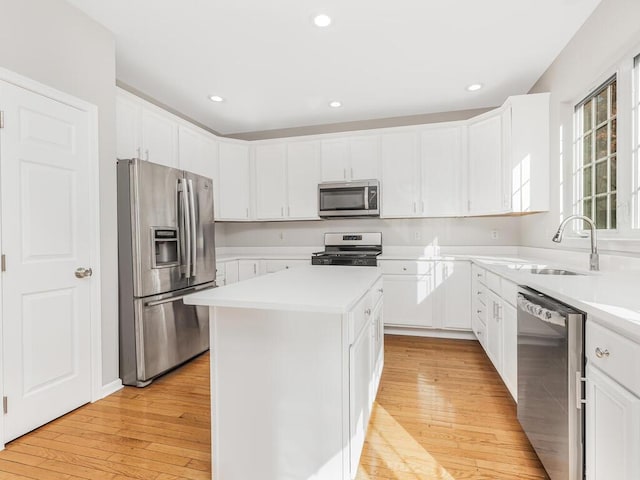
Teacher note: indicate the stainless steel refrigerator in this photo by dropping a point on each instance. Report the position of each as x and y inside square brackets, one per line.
[166, 250]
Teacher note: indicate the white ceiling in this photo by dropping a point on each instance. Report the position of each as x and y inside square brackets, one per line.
[275, 69]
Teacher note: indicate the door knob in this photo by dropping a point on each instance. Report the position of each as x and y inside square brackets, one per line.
[83, 272]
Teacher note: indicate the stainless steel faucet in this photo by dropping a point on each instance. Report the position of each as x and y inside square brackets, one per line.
[594, 259]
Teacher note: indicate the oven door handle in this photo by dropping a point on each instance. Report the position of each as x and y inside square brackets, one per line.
[366, 198]
[541, 313]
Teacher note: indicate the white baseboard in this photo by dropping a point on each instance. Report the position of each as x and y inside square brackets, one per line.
[110, 388]
[427, 332]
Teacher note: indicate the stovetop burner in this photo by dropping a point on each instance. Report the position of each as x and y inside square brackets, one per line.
[356, 249]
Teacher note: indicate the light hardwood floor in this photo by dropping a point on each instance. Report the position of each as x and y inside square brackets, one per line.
[442, 413]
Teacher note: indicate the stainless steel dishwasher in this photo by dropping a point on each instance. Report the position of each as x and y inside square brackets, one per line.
[550, 382]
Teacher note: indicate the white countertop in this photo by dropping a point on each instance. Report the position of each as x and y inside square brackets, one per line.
[611, 298]
[309, 289]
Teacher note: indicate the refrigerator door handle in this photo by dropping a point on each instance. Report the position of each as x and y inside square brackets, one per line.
[185, 232]
[193, 232]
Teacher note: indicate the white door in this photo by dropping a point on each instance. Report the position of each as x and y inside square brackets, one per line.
[128, 118]
[44, 165]
[335, 156]
[494, 330]
[453, 289]
[485, 166]
[159, 138]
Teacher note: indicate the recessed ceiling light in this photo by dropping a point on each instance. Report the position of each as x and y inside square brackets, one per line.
[322, 20]
[216, 98]
[474, 86]
[335, 104]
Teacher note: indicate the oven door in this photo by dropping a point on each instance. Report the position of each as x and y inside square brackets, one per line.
[347, 199]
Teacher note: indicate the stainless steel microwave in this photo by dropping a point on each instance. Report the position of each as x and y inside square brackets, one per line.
[349, 199]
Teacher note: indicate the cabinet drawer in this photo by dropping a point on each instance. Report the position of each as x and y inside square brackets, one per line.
[361, 314]
[478, 274]
[509, 292]
[398, 267]
[479, 293]
[480, 330]
[493, 282]
[272, 266]
[376, 293]
[615, 355]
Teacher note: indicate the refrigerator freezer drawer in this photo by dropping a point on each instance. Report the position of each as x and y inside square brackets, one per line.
[167, 333]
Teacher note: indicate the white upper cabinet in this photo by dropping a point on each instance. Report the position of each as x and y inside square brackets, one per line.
[486, 166]
[529, 152]
[128, 122]
[303, 176]
[159, 138]
[287, 177]
[352, 158]
[198, 153]
[400, 175]
[145, 131]
[235, 181]
[443, 192]
[271, 181]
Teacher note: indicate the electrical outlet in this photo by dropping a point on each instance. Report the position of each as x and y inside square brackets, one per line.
[417, 235]
[495, 235]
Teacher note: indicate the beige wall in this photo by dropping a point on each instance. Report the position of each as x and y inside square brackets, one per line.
[55, 44]
[609, 35]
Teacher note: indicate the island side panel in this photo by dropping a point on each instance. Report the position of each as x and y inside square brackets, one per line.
[278, 395]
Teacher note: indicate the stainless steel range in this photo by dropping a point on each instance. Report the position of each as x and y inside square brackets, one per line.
[357, 249]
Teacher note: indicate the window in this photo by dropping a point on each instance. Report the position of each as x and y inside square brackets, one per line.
[596, 152]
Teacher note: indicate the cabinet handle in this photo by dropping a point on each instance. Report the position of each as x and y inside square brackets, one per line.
[478, 275]
[282, 211]
[404, 269]
[138, 153]
[367, 312]
[414, 207]
[146, 153]
[351, 169]
[344, 173]
[422, 206]
[380, 290]
[479, 292]
[247, 212]
[602, 353]
[255, 269]
[288, 210]
[478, 311]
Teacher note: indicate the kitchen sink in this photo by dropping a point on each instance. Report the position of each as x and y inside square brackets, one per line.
[552, 271]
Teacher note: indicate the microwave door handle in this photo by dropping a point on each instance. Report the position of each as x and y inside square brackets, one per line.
[366, 198]
[193, 226]
[185, 233]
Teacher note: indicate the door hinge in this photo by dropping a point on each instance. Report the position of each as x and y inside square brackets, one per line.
[5, 408]
[1, 119]
[3, 263]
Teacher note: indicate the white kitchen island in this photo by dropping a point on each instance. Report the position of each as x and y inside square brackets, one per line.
[296, 359]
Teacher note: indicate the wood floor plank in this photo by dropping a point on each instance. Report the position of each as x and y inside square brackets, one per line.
[442, 413]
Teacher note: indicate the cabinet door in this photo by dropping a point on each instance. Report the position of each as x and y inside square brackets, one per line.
[198, 153]
[399, 158]
[442, 172]
[231, 272]
[510, 348]
[235, 181]
[271, 182]
[612, 429]
[494, 330]
[128, 119]
[159, 137]
[334, 156]
[363, 158]
[359, 394]
[377, 337]
[485, 166]
[408, 300]
[453, 287]
[303, 176]
[248, 269]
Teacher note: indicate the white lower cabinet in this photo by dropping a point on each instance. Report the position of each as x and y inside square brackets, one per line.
[226, 273]
[612, 429]
[249, 269]
[495, 323]
[408, 300]
[432, 294]
[377, 334]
